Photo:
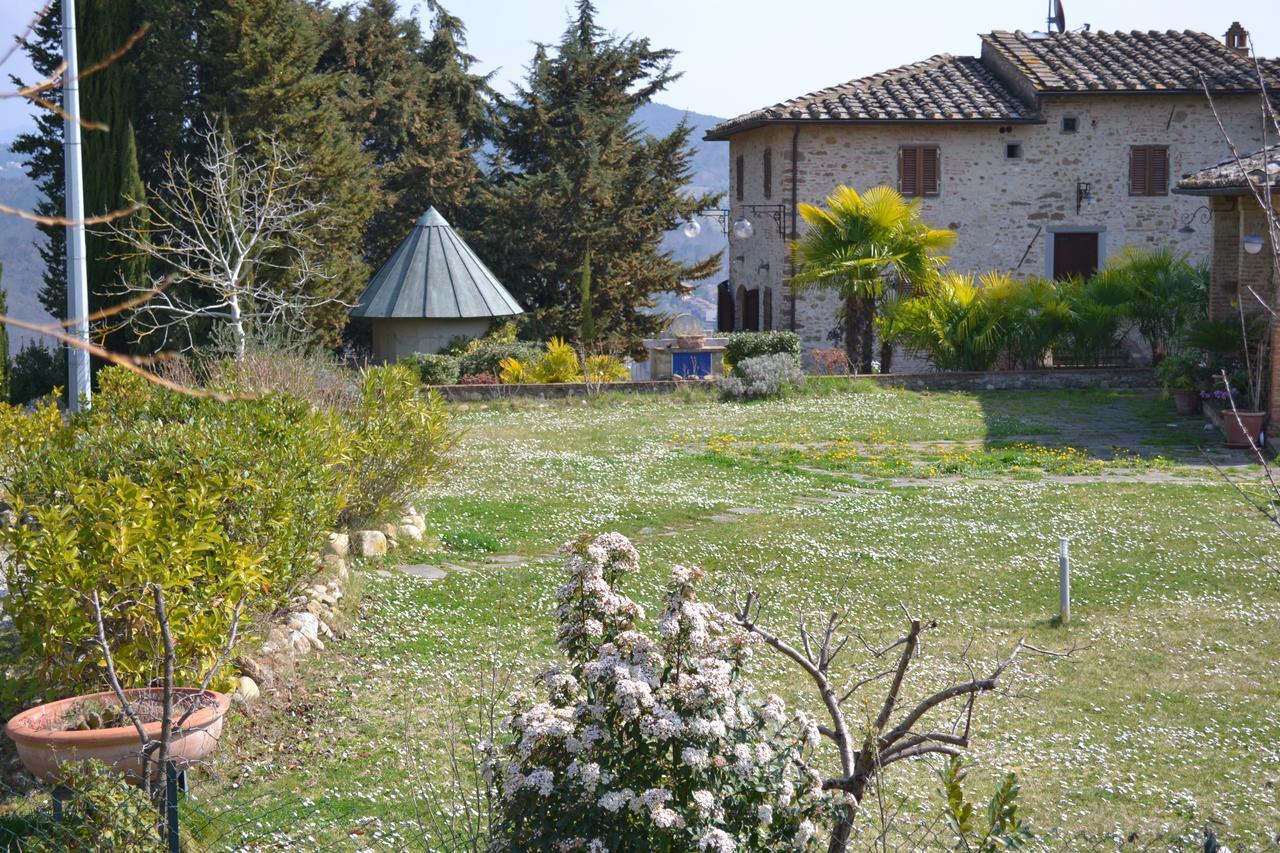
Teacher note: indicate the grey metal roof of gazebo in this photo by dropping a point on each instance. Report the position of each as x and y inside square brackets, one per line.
[434, 275]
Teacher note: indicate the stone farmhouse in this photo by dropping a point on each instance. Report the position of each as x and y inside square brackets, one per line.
[1047, 153]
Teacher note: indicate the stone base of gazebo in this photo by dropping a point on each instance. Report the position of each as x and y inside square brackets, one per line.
[394, 339]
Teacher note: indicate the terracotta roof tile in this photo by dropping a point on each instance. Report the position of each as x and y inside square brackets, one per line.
[1124, 62]
[1261, 167]
[941, 88]
[948, 88]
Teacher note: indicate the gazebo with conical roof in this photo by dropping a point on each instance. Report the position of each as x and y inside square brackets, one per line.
[432, 290]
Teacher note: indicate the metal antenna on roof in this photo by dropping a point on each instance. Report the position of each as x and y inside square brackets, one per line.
[1057, 17]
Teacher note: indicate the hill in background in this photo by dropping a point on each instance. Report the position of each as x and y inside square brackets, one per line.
[18, 241]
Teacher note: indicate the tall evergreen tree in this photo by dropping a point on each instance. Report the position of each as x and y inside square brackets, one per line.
[4, 342]
[576, 179]
[42, 153]
[419, 113]
[112, 177]
[260, 76]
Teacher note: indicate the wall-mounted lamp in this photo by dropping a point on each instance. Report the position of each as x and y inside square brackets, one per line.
[740, 228]
[1084, 195]
[1200, 214]
[1253, 245]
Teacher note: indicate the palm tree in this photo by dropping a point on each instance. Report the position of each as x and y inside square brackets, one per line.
[854, 244]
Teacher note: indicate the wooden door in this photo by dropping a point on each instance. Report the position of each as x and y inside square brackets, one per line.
[724, 308]
[751, 311]
[1075, 254]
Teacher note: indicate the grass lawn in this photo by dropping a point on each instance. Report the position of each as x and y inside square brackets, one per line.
[852, 496]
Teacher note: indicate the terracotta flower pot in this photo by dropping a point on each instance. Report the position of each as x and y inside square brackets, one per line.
[1241, 426]
[42, 747]
[1186, 401]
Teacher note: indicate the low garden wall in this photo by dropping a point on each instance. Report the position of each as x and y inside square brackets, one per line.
[1002, 380]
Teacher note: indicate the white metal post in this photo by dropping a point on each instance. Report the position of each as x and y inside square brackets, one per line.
[78, 390]
[1064, 581]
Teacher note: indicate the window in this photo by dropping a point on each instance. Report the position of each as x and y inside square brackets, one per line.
[1070, 124]
[767, 168]
[918, 170]
[738, 176]
[1013, 151]
[1149, 170]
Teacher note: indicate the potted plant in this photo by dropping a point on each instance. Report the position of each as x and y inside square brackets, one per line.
[97, 726]
[1242, 414]
[1183, 377]
[1239, 351]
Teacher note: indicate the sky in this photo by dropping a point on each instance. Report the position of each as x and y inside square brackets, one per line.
[739, 55]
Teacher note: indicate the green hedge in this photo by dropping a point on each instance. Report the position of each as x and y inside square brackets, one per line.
[745, 345]
[440, 369]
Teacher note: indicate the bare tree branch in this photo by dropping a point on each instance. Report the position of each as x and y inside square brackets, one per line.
[236, 231]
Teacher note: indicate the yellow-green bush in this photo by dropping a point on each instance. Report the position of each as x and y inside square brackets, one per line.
[398, 441]
[606, 368]
[213, 501]
[560, 363]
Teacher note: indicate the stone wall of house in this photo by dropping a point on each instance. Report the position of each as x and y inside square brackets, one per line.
[1004, 210]
[1236, 277]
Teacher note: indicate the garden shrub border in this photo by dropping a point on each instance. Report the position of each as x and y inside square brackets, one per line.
[998, 380]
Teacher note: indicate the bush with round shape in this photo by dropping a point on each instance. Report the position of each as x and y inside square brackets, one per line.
[761, 377]
[399, 439]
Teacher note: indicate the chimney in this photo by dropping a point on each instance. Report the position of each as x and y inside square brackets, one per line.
[1237, 38]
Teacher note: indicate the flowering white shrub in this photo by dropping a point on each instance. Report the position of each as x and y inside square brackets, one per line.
[762, 376]
[651, 743]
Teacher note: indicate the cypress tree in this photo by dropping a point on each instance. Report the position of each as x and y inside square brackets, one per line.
[112, 176]
[576, 177]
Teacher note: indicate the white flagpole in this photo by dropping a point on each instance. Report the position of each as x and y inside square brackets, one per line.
[78, 391]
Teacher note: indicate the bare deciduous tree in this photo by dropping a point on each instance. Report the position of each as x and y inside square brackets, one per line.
[897, 731]
[232, 233]
[1262, 183]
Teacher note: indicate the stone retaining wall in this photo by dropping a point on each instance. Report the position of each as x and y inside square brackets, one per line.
[1004, 380]
[315, 614]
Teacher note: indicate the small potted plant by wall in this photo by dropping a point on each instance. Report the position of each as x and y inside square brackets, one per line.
[1242, 416]
[1182, 377]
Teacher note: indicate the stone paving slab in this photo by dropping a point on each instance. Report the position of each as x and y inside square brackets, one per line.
[425, 571]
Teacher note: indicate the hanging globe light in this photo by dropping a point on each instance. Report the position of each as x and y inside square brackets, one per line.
[692, 228]
[742, 228]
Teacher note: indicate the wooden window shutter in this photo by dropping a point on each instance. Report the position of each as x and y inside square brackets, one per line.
[928, 171]
[918, 170]
[738, 175]
[1158, 157]
[1137, 170]
[908, 171]
[1149, 170]
[768, 173]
